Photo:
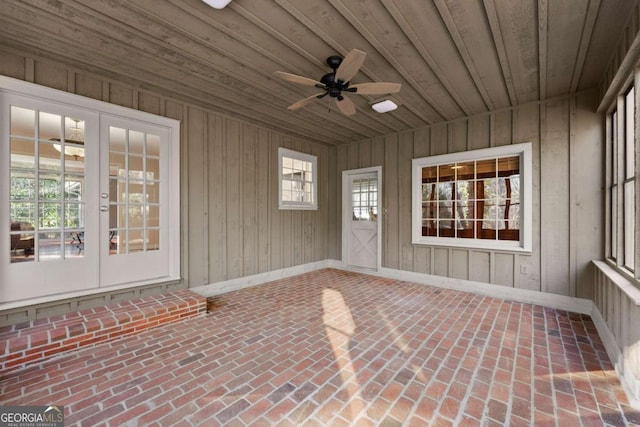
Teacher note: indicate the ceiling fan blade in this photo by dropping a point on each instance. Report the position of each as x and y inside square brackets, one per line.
[296, 79]
[346, 106]
[303, 102]
[379, 88]
[350, 65]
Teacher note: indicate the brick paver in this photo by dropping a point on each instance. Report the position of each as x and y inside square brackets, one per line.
[339, 348]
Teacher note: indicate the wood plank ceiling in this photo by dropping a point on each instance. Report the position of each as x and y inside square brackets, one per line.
[454, 58]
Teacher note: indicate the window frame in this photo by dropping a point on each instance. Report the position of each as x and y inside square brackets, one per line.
[622, 195]
[304, 157]
[524, 152]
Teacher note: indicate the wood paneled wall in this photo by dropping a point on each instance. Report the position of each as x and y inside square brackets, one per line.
[567, 137]
[231, 225]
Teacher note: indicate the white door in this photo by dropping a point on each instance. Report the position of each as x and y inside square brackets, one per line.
[89, 194]
[133, 210]
[361, 225]
[48, 198]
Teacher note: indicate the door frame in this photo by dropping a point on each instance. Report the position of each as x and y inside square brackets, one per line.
[347, 213]
[41, 95]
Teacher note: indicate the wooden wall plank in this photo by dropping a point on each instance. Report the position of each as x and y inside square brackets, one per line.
[217, 205]
[149, 103]
[342, 165]
[439, 139]
[421, 148]
[460, 264]
[440, 262]
[480, 266]
[198, 186]
[504, 272]
[12, 65]
[121, 95]
[555, 195]
[264, 178]
[405, 154]
[479, 128]
[276, 217]
[233, 171]
[391, 226]
[51, 75]
[88, 86]
[457, 136]
[334, 239]
[248, 211]
[353, 155]
[586, 151]
[502, 128]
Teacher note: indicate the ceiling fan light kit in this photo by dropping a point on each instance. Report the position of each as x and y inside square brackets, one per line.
[217, 4]
[384, 106]
[337, 83]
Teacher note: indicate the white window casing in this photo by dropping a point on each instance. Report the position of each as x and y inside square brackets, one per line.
[523, 241]
[297, 180]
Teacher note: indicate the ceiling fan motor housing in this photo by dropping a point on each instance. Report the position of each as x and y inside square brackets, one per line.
[333, 87]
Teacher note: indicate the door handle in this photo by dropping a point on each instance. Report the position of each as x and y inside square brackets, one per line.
[104, 208]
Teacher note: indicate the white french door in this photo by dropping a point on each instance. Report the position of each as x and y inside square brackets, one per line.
[132, 189]
[361, 218]
[49, 151]
[88, 198]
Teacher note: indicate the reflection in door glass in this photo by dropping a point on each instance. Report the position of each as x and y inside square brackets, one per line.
[364, 195]
[134, 203]
[46, 204]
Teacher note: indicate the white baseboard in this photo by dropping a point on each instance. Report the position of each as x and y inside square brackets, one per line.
[225, 286]
[560, 302]
[630, 383]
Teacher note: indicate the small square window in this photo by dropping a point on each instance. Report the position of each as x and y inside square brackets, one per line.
[297, 180]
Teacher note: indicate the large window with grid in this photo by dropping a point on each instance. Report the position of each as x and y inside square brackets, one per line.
[477, 198]
[622, 171]
[298, 180]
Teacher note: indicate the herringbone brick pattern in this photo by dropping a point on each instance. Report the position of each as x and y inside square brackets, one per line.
[337, 348]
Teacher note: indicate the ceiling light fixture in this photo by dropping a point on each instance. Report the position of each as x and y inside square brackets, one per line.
[384, 106]
[75, 138]
[217, 4]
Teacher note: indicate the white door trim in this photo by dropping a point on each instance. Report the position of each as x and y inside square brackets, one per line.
[346, 211]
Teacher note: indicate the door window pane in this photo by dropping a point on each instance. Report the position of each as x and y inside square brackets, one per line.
[45, 202]
[134, 191]
[365, 199]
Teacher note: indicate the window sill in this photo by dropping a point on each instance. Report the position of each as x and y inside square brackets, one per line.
[298, 208]
[504, 246]
[623, 279]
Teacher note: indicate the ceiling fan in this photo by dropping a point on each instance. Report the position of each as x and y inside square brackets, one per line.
[337, 82]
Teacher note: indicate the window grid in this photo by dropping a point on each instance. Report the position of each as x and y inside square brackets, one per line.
[472, 200]
[134, 223]
[46, 186]
[297, 180]
[629, 181]
[364, 193]
[622, 189]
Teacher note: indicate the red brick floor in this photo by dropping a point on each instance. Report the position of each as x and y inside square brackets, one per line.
[337, 348]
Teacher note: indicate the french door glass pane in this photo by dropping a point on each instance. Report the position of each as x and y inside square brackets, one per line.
[46, 205]
[133, 191]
